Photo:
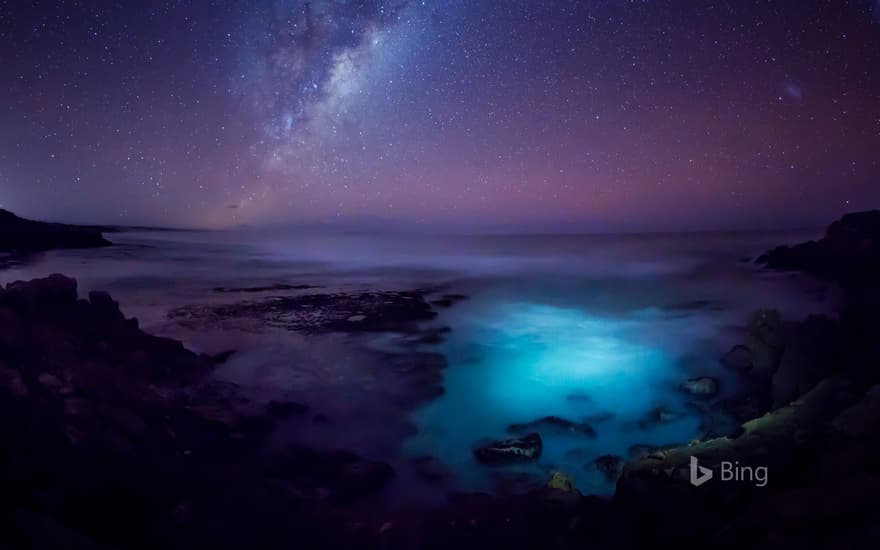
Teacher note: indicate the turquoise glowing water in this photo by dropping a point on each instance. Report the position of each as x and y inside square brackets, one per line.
[517, 362]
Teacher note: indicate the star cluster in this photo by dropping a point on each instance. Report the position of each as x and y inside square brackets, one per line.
[602, 114]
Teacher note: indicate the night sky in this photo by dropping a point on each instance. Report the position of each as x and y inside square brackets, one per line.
[599, 114]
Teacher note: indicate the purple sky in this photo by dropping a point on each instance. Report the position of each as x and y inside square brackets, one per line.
[596, 115]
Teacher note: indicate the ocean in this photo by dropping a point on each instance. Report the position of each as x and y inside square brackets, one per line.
[595, 329]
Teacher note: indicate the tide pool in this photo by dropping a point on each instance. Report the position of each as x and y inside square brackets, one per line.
[517, 362]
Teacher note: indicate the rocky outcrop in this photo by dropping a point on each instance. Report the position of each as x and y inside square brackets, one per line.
[126, 440]
[809, 355]
[805, 463]
[21, 235]
[611, 466]
[704, 386]
[849, 252]
[504, 451]
[316, 313]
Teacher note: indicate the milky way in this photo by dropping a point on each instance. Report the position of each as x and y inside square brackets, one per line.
[598, 115]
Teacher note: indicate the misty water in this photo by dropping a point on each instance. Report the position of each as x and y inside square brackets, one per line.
[597, 329]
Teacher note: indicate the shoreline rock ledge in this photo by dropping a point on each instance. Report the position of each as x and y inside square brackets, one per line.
[22, 235]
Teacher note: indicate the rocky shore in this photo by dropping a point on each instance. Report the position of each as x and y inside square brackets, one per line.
[21, 236]
[117, 438]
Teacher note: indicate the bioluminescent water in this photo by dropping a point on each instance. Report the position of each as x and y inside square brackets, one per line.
[520, 361]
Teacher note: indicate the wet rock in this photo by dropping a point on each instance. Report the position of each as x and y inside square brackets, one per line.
[561, 482]
[739, 357]
[554, 423]
[659, 415]
[526, 448]
[316, 313]
[703, 386]
[611, 466]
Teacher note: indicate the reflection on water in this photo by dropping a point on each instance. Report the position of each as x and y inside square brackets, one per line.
[593, 329]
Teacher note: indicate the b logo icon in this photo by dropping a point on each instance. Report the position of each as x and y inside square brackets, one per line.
[699, 474]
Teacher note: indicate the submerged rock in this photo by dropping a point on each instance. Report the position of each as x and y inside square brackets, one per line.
[553, 423]
[611, 466]
[526, 448]
[702, 386]
[659, 415]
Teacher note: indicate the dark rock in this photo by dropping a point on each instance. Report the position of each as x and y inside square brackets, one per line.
[316, 313]
[642, 450]
[506, 482]
[715, 420]
[849, 252]
[11, 382]
[365, 476]
[810, 355]
[345, 474]
[703, 386]
[657, 416]
[526, 448]
[266, 288]
[284, 409]
[611, 466]
[430, 469]
[764, 340]
[222, 357]
[24, 235]
[553, 423]
[55, 290]
[863, 418]
[739, 357]
[448, 300]
[104, 305]
[13, 330]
